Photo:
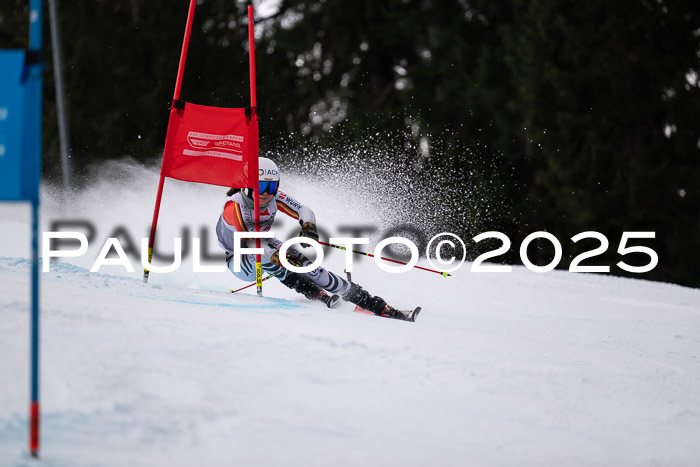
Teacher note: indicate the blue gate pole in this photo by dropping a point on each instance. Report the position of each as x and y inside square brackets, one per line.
[34, 407]
[32, 156]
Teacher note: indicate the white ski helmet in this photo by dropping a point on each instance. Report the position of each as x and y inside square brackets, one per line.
[268, 178]
[267, 170]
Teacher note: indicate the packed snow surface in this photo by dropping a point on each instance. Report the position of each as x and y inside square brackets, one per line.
[500, 369]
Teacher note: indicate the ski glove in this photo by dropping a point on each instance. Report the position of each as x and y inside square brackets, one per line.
[308, 230]
[293, 257]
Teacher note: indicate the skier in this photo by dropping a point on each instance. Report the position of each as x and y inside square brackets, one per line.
[319, 284]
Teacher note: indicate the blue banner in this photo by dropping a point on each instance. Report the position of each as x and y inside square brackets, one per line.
[11, 125]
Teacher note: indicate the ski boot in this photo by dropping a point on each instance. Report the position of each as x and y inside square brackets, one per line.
[310, 290]
[403, 315]
[367, 303]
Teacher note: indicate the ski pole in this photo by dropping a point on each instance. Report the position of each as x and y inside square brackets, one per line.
[443, 274]
[254, 283]
[265, 278]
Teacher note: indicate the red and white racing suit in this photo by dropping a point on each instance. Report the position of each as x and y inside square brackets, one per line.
[237, 216]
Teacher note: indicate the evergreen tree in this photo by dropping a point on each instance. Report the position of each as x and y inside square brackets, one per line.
[564, 116]
[601, 88]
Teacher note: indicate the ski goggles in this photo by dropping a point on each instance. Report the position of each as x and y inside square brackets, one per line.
[268, 187]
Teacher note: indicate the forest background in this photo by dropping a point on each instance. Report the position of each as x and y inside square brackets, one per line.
[562, 116]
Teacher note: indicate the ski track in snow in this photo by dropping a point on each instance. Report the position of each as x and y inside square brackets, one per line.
[500, 369]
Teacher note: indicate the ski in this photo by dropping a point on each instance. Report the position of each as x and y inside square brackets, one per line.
[393, 313]
[358, 309]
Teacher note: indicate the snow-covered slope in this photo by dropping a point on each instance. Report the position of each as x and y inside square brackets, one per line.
[500, 369]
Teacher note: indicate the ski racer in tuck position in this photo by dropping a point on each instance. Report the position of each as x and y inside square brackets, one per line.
[319, 284]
